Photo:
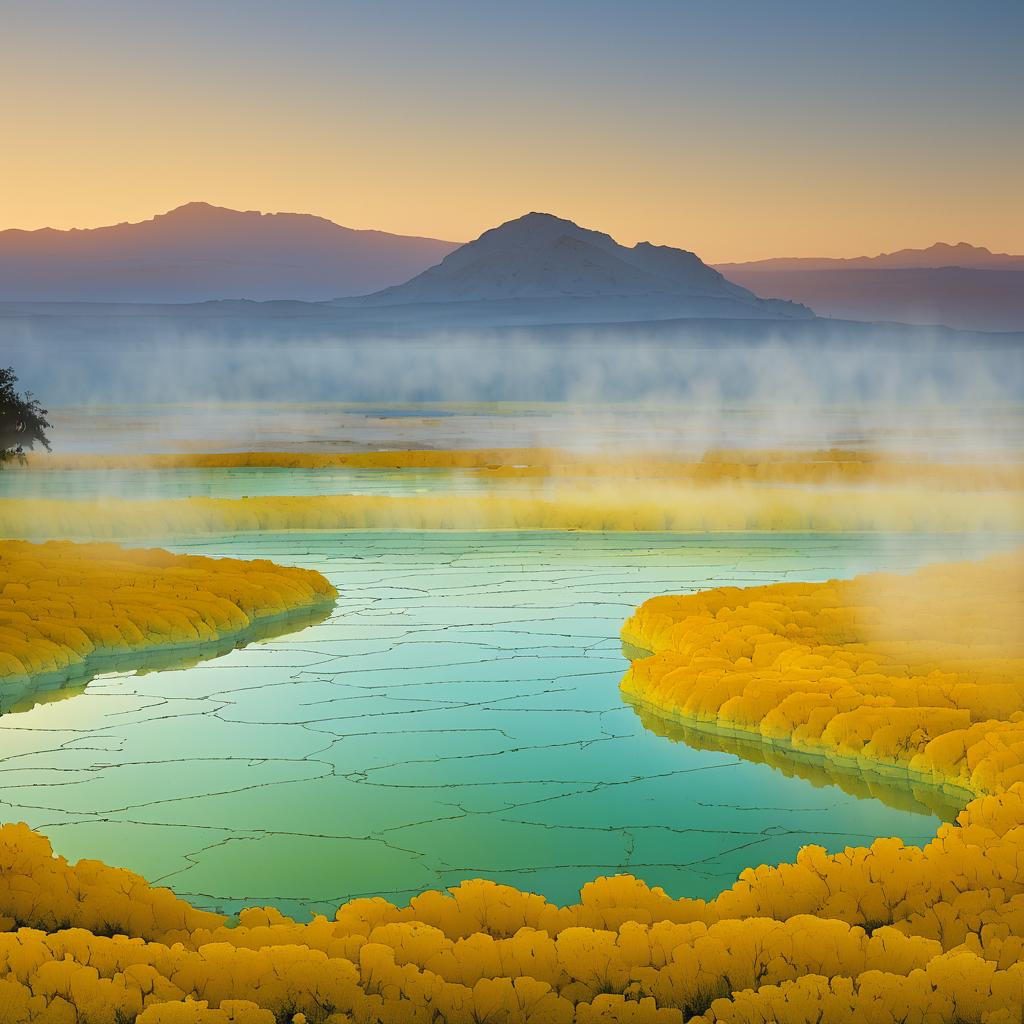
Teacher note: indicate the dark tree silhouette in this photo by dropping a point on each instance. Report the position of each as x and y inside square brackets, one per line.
[23, 421]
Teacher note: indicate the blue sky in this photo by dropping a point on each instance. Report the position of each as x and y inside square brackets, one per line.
[738, 129]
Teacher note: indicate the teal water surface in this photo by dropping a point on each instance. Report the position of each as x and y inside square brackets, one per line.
[456, 716]
[238, 482]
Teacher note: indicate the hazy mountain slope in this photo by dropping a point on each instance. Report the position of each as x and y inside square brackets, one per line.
[200, 252]
[962, 286]
[960, 297]
[541, 260]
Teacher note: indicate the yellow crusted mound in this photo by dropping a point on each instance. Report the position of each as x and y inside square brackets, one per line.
[881, 934]
[62, 603]
[887, 933]
[653, 507]
[924, 672]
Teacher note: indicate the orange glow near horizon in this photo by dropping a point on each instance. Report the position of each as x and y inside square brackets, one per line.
[716, 239]
[852, 133]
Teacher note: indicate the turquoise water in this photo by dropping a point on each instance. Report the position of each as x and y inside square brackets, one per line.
[456, 716]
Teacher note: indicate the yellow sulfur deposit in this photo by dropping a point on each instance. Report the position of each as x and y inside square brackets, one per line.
[653, 507]
[545, 489]
[64, 604]
[922, 672]
[886, 934]
[468, 458]
[982, 470]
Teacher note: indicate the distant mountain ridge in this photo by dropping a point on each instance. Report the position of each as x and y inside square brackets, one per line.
[199, 252]
[542, 260]
[533, 270]
[963, 286]
[941, 254]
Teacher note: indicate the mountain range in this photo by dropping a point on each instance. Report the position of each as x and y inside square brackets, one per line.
[941, 254]
[536, 269]
[963, 286]
[199, 252]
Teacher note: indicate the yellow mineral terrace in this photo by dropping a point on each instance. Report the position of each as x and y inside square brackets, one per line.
[546, 489]
[923, 672]
[63, 604]
[887, 933]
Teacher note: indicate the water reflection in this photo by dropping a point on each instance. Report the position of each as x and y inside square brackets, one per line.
[23, 695]
[898, 791]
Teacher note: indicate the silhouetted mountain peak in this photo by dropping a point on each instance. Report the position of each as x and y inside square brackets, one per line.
[961, 246]
[540, 258]
[539, 229]
[199, 251]
[955, 251]
[200, 213]
[940, 254]
[535, 220]
[199, 216]
[199, 210]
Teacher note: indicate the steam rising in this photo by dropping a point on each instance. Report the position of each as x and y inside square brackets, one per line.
[702, 385]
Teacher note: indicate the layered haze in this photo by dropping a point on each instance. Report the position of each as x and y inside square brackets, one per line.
[536, 309]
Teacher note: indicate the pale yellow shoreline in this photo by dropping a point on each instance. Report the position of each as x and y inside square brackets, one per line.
[982, 470]
[684, 510]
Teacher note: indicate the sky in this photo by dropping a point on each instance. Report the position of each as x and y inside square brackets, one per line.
[739, 130]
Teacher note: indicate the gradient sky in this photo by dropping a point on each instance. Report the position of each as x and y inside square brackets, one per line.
[737, 129]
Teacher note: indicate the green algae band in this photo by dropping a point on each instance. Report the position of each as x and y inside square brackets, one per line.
[62, 604]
